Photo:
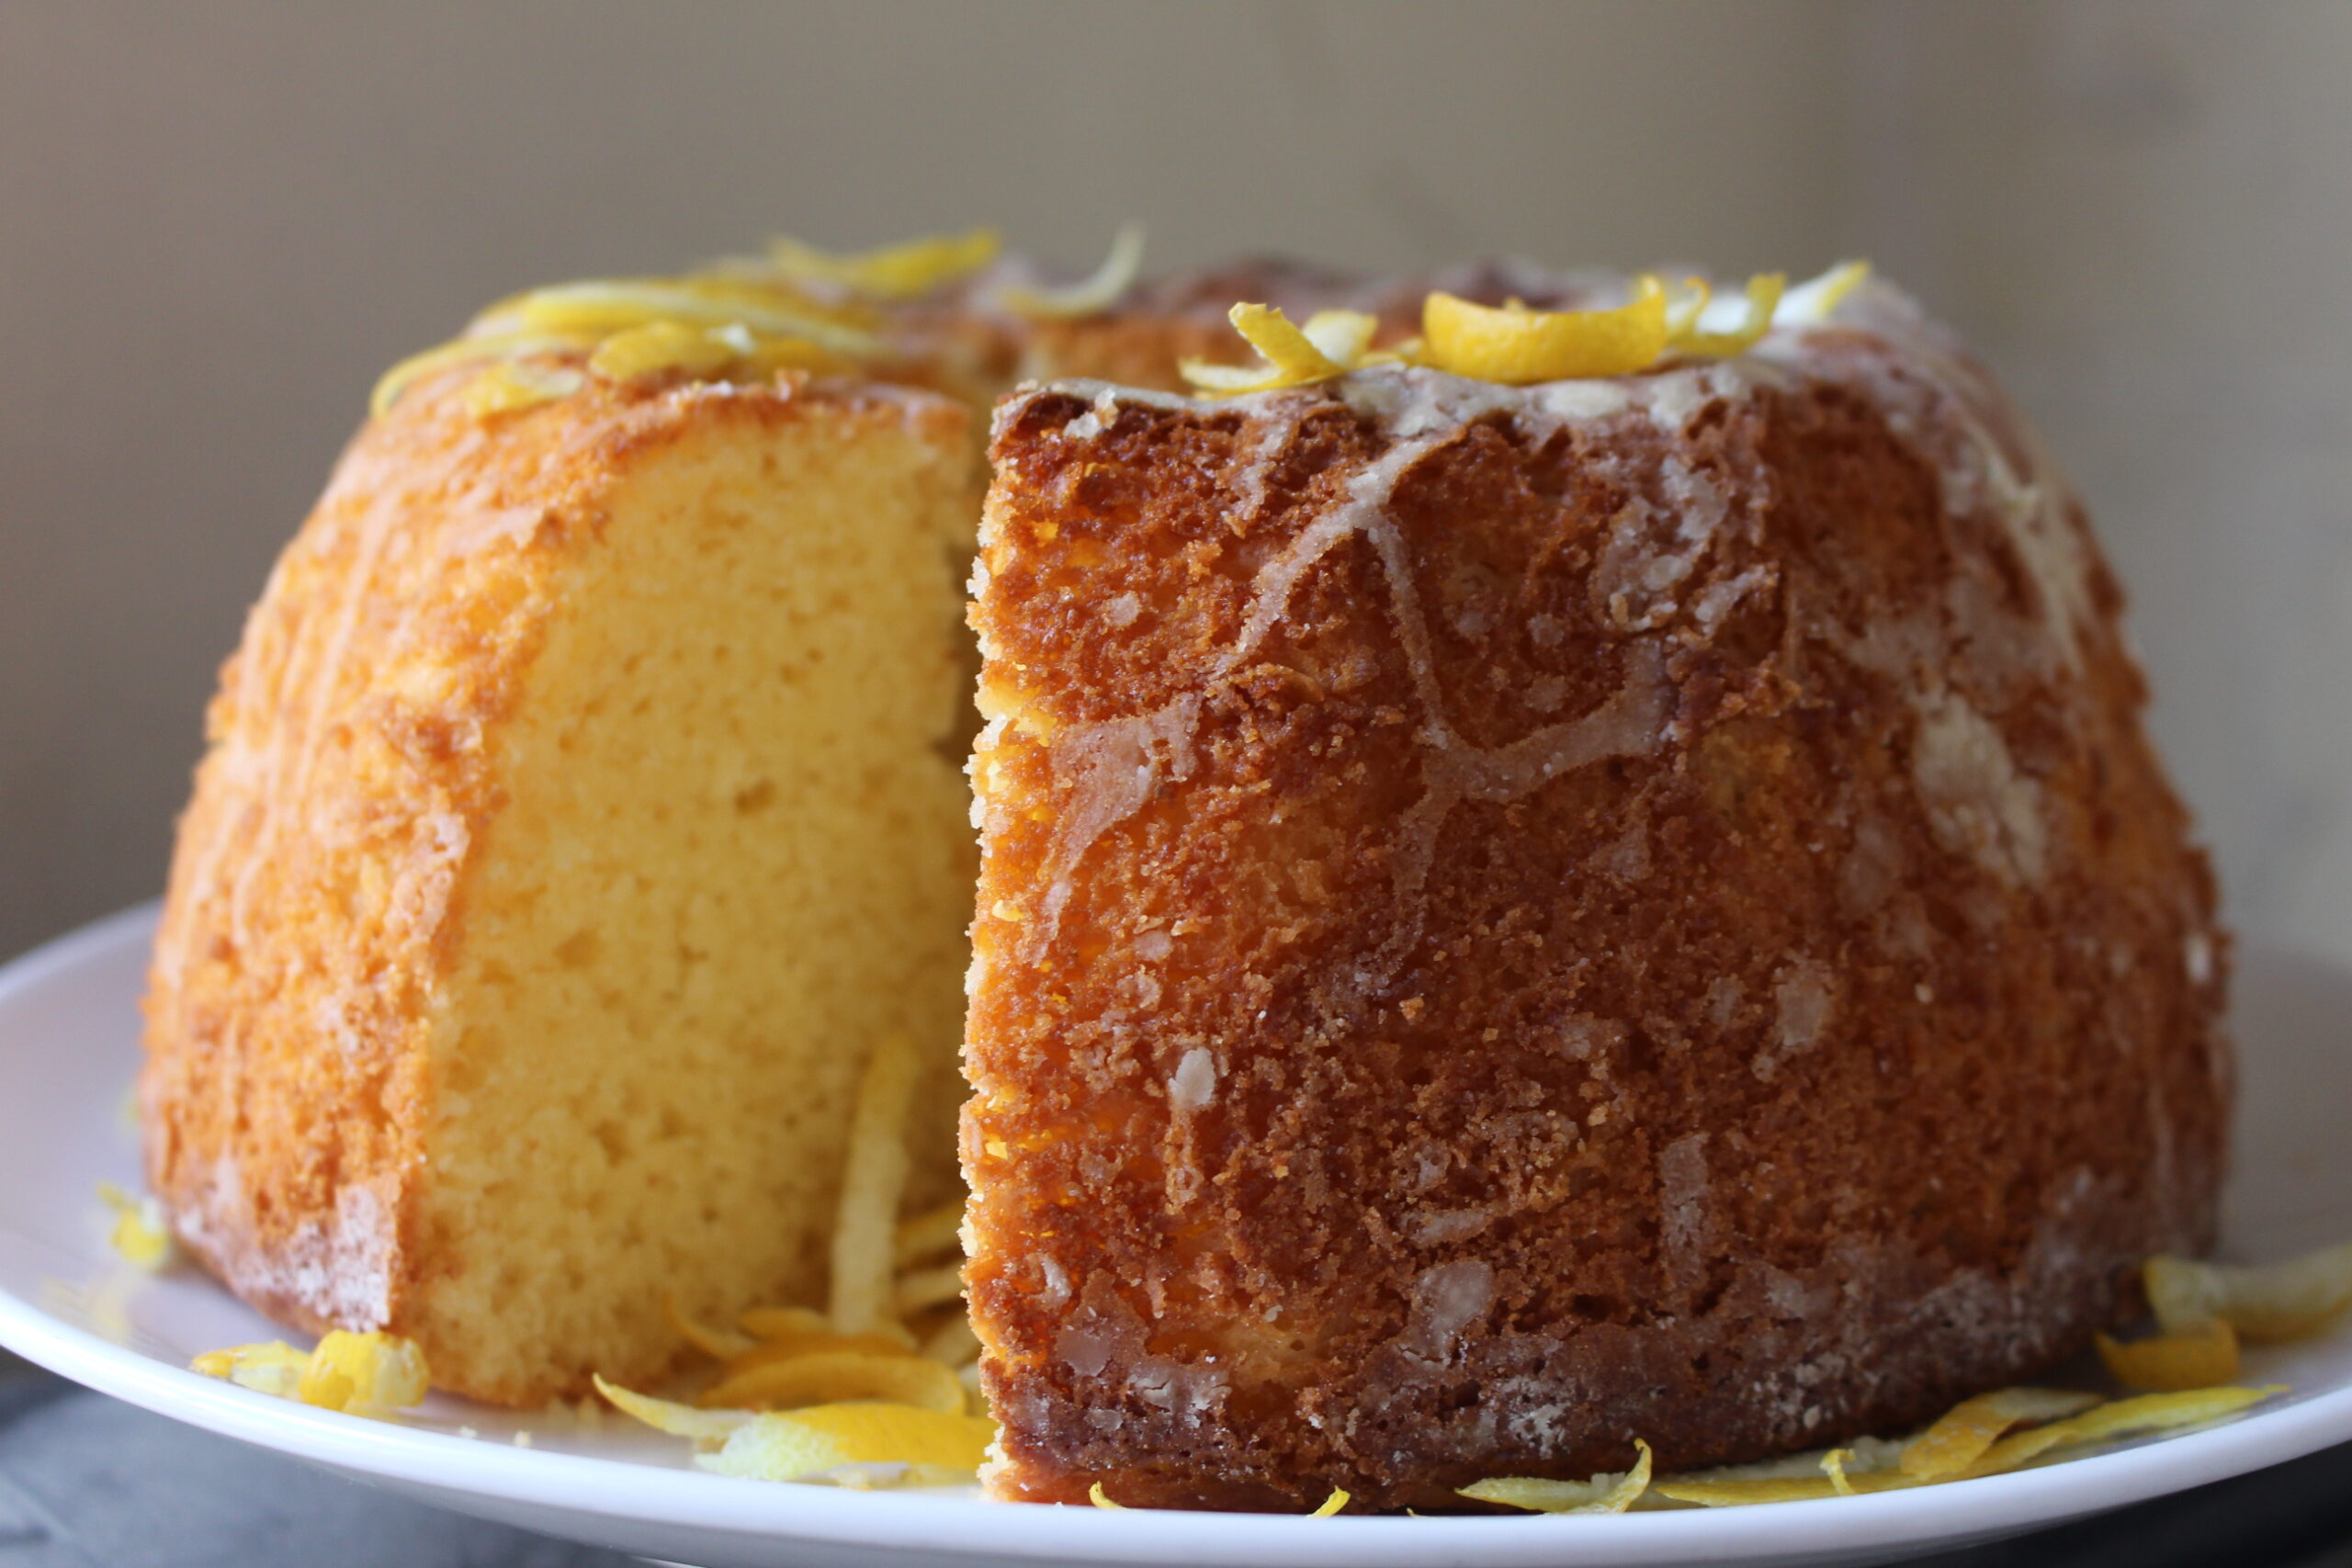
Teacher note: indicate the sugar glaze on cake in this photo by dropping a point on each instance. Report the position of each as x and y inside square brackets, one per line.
[1514, 920]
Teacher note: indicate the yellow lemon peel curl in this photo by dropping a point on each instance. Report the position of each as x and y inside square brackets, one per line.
[903, 271]
[1090, 296]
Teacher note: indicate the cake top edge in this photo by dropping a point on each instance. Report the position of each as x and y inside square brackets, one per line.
[1408, 395]
[794, 308]
[1497, 333]
[1609, 327]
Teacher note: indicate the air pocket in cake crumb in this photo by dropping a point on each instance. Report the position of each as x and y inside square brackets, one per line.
[1448, 1299]
[1805, 997]
[1184, 1390]
[1195, 1083]
[1686, 1224]
[1436, 1227]
[1590, 1040]
[1056, 1281]
[1978, 802]
[1722, 1000]
[1628, 857]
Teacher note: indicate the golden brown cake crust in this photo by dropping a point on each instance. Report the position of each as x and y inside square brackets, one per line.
[1514, 922]
[317, 893]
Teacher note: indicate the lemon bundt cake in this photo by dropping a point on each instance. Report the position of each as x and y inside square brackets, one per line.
[1614, 895]
[1589, 875]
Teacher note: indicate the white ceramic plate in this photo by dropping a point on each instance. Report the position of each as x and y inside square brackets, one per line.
[68, 1045]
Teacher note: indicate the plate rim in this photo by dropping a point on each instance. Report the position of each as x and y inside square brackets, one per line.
[621, 1490]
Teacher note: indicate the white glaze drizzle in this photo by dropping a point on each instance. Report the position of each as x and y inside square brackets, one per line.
[1922, 390]
[1114, 767]
[1929, 395]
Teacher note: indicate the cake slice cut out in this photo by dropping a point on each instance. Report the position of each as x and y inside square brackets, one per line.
[581, 811]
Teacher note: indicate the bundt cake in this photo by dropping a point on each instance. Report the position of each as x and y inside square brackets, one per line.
[1517, 917]
[1588, 875]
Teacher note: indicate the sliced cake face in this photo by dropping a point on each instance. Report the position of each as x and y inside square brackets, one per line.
[1516, 920]
[581, 809]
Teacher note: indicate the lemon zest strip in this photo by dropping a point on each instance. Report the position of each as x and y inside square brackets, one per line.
[139, 1236]
[1602, 1494]
[922, 1289]
[1810, 302]
[1342, 337]
[1763, 299]
[931, 1232]
[1520, 346]
[2123, 1418]
[874, 1179]
[273, 1367]
[1092, 295]
[466, 350]
[668, 1415]
[1292, 357]
[512, 386]
[1962, 1435]
[599, 308]
[832, 1377]
[1738, 1493]
[808, 1444]
[1685, 303]
[902, 271]
[791, 1346]
[955, 1343]
[714, 1342]
[774, 1323]
[363, 1374]
[1792, 1489]
[2265, 1304]
[2195, 1358]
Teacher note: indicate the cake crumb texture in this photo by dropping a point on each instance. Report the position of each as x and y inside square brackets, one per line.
[578, 812]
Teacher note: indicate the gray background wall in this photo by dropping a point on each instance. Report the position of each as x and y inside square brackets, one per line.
[218, 224]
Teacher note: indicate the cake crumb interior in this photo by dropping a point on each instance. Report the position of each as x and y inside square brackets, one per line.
[731, 858]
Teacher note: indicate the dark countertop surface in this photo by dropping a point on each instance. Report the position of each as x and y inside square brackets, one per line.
[86, 1481]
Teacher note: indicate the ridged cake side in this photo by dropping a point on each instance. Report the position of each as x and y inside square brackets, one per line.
[1515, 921]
